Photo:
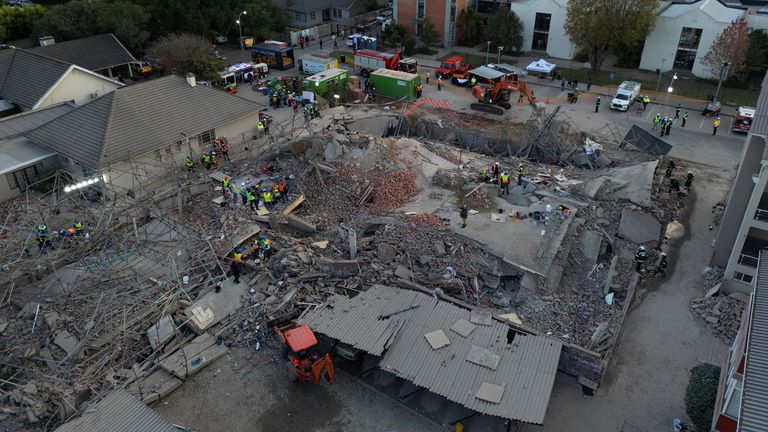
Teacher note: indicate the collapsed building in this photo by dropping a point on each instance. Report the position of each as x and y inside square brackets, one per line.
[145, 300]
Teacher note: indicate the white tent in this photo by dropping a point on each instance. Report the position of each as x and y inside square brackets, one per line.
[541, 65]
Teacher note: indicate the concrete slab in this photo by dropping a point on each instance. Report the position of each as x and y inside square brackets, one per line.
[490, 392]
[374, 126]
[221, 304]
[483, 357]
[67, 342]
[590, 246]
[437, 339]
[463, 327]
[161, 332]
[51, 318]
[638, 227]
[155, 386]
[194, 356]
[481, 317]
[633, 183]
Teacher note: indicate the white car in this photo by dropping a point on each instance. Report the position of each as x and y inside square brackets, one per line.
[221, 39]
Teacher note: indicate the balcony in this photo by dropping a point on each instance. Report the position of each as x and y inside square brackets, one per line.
[747, 259]
[761, 215]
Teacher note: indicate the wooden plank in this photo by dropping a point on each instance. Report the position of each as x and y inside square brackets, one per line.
[292, 206]
[262, 211]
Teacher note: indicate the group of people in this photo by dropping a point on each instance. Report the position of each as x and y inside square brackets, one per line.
[256, 195]
[642, 257]
[497, 175]
[674, 184]
[664, 124]
[44, 238]
[260, 251]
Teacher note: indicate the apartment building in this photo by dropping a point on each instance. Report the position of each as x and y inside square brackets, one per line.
[442, 13]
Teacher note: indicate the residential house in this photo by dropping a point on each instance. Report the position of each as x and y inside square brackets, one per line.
[103, 54]
[743, 228]
[309, 13]
[138, 134]
[443, 14]
[742, 395]
[31, 81]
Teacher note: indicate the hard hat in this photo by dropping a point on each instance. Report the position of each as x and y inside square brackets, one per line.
[226, 177]
[506, 172]
[497, 163]
[718, 118]
[519, 164]
[663, 254]
[690, 172]
[642, 247]
[42, 227]
[77, 220]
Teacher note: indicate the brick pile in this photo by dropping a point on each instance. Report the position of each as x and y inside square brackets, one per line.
[427, 220]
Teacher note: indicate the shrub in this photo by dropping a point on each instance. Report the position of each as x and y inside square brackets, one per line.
[701, 394]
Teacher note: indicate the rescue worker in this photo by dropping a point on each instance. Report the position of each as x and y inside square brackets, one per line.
[520, 172]
[250, 198]
[656, 121]
[282, 190]
[688, 179]
[674, 185]
[190, 164]
[78, 226]
[504, 184]
[669, 126]
[426, 77]
[670, 168]
[419, 89]
[597, 104]
[646, 101]
[484, 177]
[715, 125]
[464, 213]
[224, 148]
[260, 127]
[496, 171]
[264, 247]
[641, 257]
[661, 268]
[685, 118]
[677, 111]
[206, 159]
[473, 81]
[236, 264]
[42, 238]
[267, 196]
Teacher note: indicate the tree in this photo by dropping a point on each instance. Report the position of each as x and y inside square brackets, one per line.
[186, 52]
[505, 29]
[393, 36]
[701, 394]
[730, 46]
[602, 25]
[471, 26]
[17, 22]
[81, 18]
[429, 35]
[757, 54]
[265, 19]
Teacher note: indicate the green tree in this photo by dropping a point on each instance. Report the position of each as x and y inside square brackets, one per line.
[732, 46]
[186, 52]
[757, 54]
[505, 29]
[393, 36]
[471, 26]
[265, 19]
[429, 35]
[700, 395]
[599, 26]
[81, 18]
[409, 45]
[17, 22]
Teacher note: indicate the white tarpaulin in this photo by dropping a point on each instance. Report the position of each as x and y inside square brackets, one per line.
[541, 65]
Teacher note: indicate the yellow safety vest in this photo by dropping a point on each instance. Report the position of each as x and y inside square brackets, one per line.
[267, 197]
[716, 123]
[237, 256]
[504, 178]
[520, 170]
[261, 126]
[225, 183]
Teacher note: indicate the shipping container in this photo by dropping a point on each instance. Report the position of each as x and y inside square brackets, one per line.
[315, 63]
[324, 81]
[395, 84]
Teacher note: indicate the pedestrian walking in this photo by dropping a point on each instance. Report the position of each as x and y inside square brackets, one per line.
[439, 83]
[589, 85]
[597, 104]
[426, 77]
[641, 257]
[335, 43]
[301, 42]
[715, 125]
[677, 111]
[463, 214]
[684, 119]
[320, 41]
[562, 85]
[656, 121]
[669, 126]
[646, 101]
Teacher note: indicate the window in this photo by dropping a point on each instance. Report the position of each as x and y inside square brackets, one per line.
[453, 10]
[312, 16]
[739, 276]
[733, 399]
[334, 13]
[420, 6]
[297, 16]
[206, 138]
[541, 31]
[178, 146]
[687, 47]
[24, 177]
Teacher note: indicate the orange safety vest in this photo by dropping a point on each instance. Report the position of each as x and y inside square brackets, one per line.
[505, 179]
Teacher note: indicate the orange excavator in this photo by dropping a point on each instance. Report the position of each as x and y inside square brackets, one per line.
[299, 345]
[492, 98]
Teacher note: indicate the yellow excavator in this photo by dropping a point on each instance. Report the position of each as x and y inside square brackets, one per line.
[491, 98]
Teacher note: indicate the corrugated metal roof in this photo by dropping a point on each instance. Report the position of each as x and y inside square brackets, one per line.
[29, 120]
[486, 72]
[19, 152]
[119, 411]
[137, 119]
[27, 77]
[760, 122]
[393, 322]
[93, 53]
[754, 400]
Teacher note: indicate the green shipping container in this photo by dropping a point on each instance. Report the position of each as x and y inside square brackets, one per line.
[320, 83]
[395, 84]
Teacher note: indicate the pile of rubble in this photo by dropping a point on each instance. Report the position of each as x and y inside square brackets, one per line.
[721, 314]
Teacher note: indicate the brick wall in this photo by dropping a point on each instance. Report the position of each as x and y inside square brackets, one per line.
[406, 14]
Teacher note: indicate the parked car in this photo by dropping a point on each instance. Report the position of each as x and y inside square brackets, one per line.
[221, 39]
[625, 95]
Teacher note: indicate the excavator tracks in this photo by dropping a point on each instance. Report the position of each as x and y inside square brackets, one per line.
[492, 109]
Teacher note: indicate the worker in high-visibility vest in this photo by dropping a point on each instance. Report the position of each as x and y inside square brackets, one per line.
[267, 196]
[520, 172]
[715, 125]
[250, 198]
[504, 183]
[225, 186]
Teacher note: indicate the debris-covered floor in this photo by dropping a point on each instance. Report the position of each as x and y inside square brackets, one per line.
[554, 255]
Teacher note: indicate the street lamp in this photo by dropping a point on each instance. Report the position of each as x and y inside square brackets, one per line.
[487, 51]
[498, 59]
[240, 30]
[671, 88]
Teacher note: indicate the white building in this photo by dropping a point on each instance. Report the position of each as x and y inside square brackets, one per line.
[544, 22]
[681, 38]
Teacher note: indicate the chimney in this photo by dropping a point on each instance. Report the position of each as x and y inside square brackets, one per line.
[191, 79]
[46, 40]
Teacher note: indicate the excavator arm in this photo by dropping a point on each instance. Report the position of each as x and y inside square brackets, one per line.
[492, 100]
[324, 363]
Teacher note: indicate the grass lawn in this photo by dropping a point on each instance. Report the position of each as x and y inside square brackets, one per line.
[479, 59]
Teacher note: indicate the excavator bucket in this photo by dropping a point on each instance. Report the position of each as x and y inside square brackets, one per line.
[325, 363]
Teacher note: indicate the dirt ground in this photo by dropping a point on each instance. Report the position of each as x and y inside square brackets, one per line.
[245, 391]
[662, 340]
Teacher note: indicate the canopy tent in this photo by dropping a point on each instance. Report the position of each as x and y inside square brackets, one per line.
[541, 65]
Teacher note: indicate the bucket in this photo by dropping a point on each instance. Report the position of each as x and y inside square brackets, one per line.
[537, 215]
[548, 208]
[185, 279]
[501, 211]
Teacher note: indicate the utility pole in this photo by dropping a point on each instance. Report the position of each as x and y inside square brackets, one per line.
[487, 51]
[498, 59]
[658, 83]
[240, 30]
[723, 74]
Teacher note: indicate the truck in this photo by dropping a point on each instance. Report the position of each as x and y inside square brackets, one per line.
[625, 95]
[315, 63]
[370, 60]
[452, 66]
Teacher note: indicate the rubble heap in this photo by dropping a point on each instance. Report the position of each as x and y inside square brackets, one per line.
[721, 314]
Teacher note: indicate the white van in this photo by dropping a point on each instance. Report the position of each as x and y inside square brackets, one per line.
[625, 95]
